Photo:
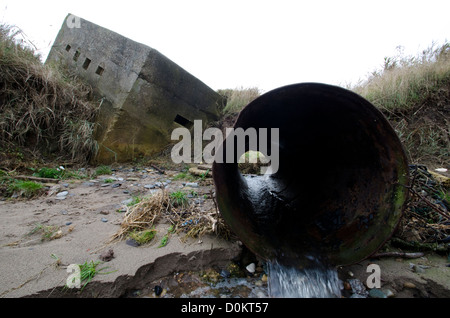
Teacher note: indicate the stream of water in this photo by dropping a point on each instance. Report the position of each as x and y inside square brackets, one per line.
[314, 282]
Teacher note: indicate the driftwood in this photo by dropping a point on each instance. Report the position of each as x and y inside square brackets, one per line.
[158, 169]
[398, 254]
[37, 179]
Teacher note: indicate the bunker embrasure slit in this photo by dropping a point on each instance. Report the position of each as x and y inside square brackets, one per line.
[183, 122]
[86, 63]
[99, 70]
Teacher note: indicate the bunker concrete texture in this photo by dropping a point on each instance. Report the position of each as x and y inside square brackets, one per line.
[144, 95]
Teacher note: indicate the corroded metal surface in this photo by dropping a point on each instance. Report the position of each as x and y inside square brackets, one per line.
[340, 188]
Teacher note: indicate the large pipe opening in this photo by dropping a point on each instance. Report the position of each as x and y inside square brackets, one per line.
[341, 184]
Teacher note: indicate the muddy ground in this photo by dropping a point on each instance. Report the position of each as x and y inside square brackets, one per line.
[34, 262]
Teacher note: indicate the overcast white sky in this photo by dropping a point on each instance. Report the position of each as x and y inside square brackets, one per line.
[253, 43]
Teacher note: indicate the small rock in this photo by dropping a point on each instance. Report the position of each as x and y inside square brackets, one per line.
[132, 243]
[104, 220]
[104, 185]
[225, 274]
[66, 185]
[128, 201]
[389, 293]
[116, 185]
[158, 290]
[107, 256]
[192, 185]
[132, 179]
[409, 285]
[57, 235]
[264, 278]
[64, 212]
[376, 293]
[104, 212]
[258, 283]
[126, 191]
[69, 223]
[150, 186]
[62, 194]
[251, 268]
[61, 198]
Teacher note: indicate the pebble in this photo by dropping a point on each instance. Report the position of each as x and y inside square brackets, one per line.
[104, 220]
[104, 185]
[69, 223]
[107, 256]
[158, 290]
[264, 278]
[116, 185]
[64, 212]
[225, 274]
[150, 186]
[377, 293]
[251, 268]
[192, 185]
[128, 201]
[66, 185]
[409, 285]
[62, 194]
[389, 293]
[132, 243]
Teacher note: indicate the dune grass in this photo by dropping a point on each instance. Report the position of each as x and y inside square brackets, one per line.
[43, 106]
[238, 98]
[413, 92]
[405, 82]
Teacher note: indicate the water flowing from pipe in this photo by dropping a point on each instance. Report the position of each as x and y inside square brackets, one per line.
[312, 282]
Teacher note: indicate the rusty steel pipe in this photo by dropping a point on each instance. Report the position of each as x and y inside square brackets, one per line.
[341, 185]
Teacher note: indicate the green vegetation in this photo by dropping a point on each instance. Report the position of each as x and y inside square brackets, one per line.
[179, 198]
[164, 241]
[143, 237]
[24, 188]
[89, 270]
[50, 173]
[47, 231]
[185, 176]
[135, 201]
[103, 170]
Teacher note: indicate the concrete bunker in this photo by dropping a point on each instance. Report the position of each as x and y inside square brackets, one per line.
[143, 94]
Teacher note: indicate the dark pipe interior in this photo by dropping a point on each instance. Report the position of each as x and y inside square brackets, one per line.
[339, 190]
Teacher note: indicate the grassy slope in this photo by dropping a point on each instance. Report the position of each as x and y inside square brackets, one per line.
[44, 111]
[414, 94]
